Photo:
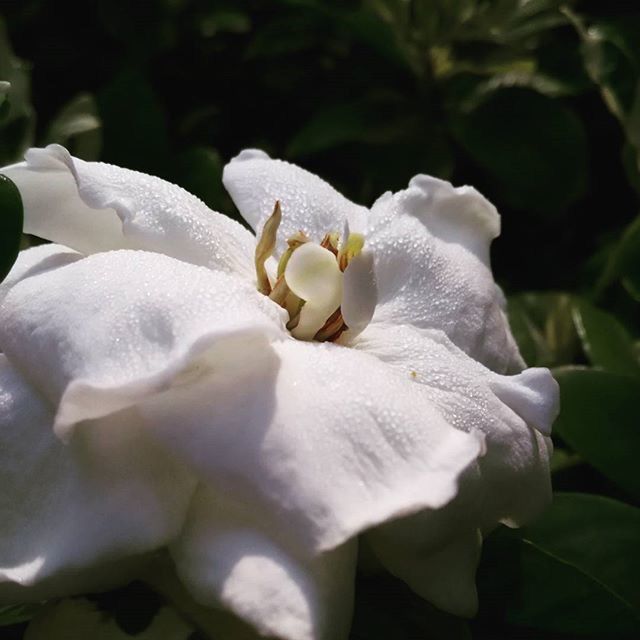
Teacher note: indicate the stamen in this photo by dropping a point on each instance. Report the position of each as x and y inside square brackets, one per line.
[309, 280]
[330, 241]
[350, 249]
[280, 291]
[332, 329]
[265, 247]
[283, 296]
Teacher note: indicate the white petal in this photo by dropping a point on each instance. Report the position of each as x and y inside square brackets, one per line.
[112, 493]
[228, 555]
[460, 215]
[98, 334]
[532, 394]
[360, 294]
[326, 439]
[512, 412]
[431, 247]
[442, 573]
[309, 204]
[313, 274]
[35, 260]
[436, 551]
[91, 206]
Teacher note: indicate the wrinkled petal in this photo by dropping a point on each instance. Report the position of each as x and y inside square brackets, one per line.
[97, 335]
[436, 551]
[309, 204]
[431, 247]
[110, 494]
[326, 439]
[227, 555]
[91, 207]
[513, 413]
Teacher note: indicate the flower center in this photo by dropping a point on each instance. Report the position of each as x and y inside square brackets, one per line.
[308, 279]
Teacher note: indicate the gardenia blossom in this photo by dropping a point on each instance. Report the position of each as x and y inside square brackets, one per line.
[256, 403]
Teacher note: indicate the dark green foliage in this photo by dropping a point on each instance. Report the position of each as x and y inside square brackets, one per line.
[10, 224]
[599, 420]
[15, 614]
[571, 572]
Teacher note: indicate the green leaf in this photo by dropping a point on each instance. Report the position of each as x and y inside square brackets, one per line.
[605, 340]
[574, 571]
[599, 537]
[624, 262]
[543, 327]
[612, 59]
[627, 259]
[11, 218]
[5, 105]
[17, 613]
[561, 460]
[599, 419]
[530, 145]
[227, 20]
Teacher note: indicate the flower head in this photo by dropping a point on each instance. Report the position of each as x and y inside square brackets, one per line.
[255, 403]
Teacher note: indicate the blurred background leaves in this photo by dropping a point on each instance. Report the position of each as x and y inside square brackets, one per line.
[534, 102]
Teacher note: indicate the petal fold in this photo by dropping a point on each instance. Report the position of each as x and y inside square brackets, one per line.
[512, 412]
[71, 514]
[97, 335]
[92, 207]
[35, 260]
[228, 556]
[326, 439]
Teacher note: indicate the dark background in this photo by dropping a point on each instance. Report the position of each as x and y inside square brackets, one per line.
[536, 103]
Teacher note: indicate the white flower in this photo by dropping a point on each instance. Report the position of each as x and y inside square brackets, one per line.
[151, 397]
